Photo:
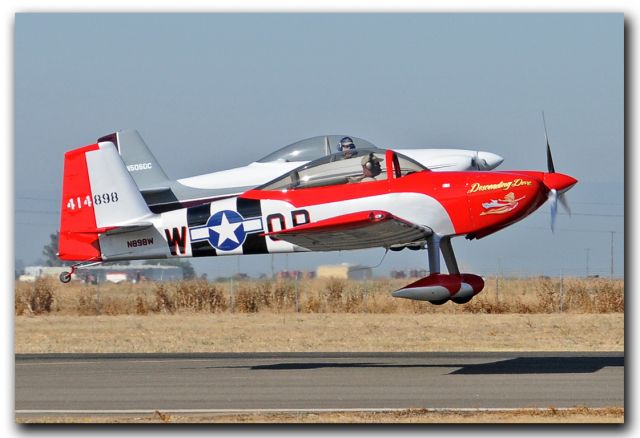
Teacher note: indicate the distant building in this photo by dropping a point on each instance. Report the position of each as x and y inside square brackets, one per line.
[109, 273]
[295, 275]
[412, 273]
[418, 273]
[116, 277]
[33, 272]
[344, 271]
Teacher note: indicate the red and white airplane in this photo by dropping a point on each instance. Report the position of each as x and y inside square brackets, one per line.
[372, 198]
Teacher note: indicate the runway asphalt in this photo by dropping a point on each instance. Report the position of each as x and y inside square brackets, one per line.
[142, 383]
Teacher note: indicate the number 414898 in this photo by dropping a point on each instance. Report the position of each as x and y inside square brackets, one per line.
[87, 201]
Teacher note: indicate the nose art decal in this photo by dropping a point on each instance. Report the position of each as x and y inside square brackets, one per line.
[501, 206]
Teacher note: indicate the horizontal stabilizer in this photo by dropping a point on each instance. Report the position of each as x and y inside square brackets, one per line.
[129, 228]
[154, 190]
[365, 229]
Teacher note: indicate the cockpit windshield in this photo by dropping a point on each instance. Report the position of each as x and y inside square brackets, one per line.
[312, 148]
[346, 167]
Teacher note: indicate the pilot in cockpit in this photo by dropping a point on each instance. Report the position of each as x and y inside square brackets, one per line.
[347, 147]
[370, 169]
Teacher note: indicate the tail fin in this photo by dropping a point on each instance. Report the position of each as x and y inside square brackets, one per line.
[98, 194]
[140, 162]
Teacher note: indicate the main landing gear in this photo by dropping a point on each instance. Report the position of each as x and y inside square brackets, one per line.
[439, 288]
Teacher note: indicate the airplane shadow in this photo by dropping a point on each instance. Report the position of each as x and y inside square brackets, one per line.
[518, 365]
[543, 365]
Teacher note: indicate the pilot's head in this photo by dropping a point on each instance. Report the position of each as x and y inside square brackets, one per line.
[346, 146]
[371, 165]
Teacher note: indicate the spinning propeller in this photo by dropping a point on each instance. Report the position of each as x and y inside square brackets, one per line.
[553, 196]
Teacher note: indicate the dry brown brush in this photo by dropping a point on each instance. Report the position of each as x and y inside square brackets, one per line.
[35, 298]
[502, 295]
[199, 296]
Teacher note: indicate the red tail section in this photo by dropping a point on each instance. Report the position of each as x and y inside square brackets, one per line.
[78, 231]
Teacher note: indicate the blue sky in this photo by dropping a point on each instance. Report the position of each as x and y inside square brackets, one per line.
[214, 91]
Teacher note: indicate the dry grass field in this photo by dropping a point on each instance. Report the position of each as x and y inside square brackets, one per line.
[270, 332]
[316, 315]
[524, 296]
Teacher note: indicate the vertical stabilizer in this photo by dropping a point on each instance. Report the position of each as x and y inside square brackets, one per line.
[98, 195]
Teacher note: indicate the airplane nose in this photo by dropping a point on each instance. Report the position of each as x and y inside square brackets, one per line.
[558, 181]
[488, 160]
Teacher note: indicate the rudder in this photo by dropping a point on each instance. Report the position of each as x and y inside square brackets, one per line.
[78, 238]
[98, 195]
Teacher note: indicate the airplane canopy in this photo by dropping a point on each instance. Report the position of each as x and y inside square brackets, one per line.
[311, 148]
[343, 168]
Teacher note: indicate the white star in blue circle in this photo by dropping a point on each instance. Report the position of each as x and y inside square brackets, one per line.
[226, 230]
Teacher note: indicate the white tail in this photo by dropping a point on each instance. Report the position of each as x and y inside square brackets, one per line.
[98, 195]
[116, 199]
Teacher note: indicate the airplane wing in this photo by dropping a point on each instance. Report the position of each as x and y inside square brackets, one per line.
[364, 229]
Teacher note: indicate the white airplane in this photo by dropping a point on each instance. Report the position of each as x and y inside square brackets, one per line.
[163, 194]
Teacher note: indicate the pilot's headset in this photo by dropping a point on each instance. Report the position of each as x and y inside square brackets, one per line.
[345, 144]
[372, 160]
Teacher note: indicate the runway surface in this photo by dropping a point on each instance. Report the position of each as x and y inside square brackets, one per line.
[141, 383]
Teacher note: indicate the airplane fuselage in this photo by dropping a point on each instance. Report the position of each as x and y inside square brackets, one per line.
[364, 199]
[447, 203]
